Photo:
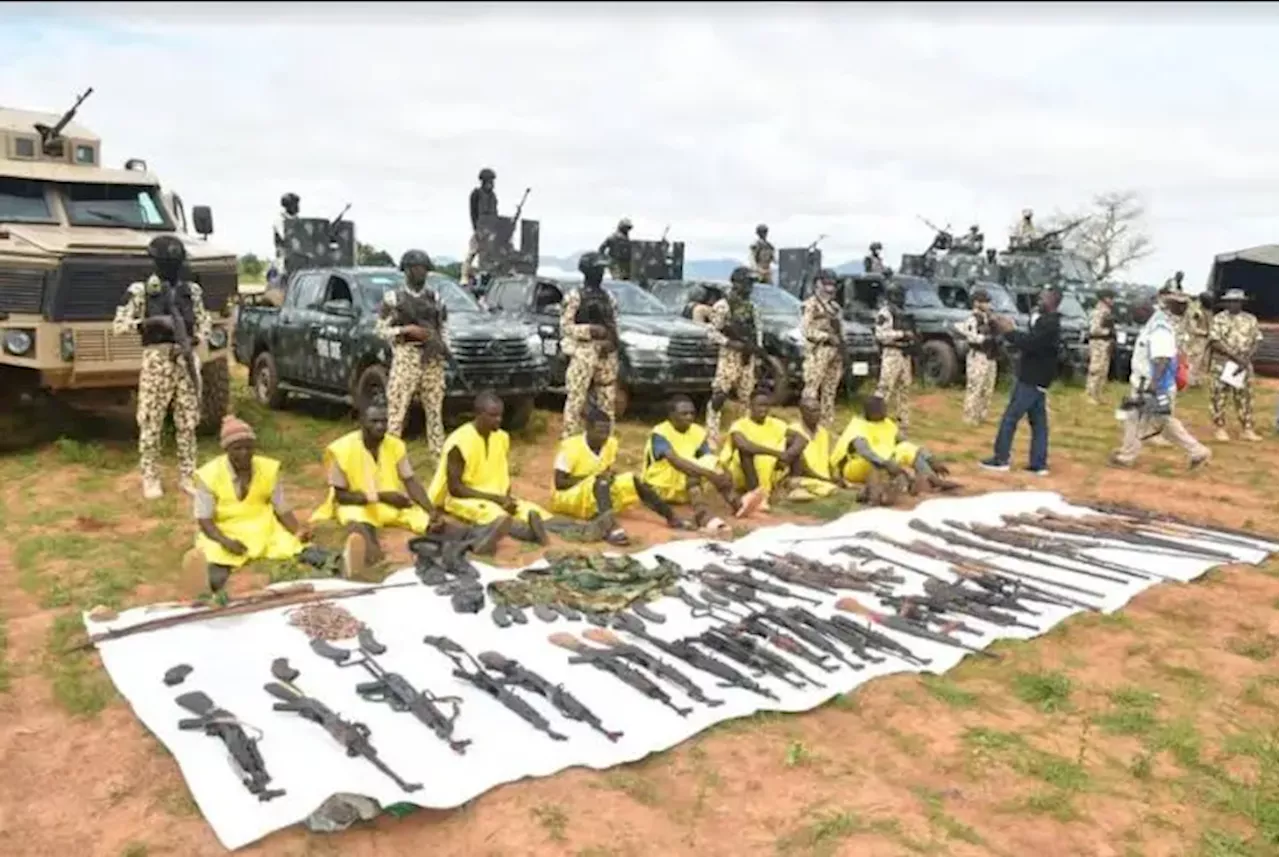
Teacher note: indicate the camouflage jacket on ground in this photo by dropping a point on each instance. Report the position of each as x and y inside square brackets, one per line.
[595, 583]
[1238, 333]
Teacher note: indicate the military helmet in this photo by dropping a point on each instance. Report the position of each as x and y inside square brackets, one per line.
[827, 275]
[762, 228]
[415, 257]
[1106, 294]
[974, 228]
[589, 263]
[167, 248]
[742, 276]
[625, 223]
[288, 199]
[876, 245]
[980, 296]
[487, 174]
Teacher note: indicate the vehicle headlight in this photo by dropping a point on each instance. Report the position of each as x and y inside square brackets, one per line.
[218, 338]
[534, 343]
[644, 341]
[18, 342]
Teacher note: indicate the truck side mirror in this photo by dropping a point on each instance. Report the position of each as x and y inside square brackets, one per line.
[202, 220]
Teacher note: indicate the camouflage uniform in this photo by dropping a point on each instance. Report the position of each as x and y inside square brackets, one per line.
[1101, 337]
[735, 369]
[593, 363]
[164, 378]
[823, 355]
[873, 264]
[483, 203]
[413, 371]
[761, 254]
[278, 234]
[895, 364]
[1238, 333]
[617, 249]
[1196, 321]
[980, 365]
[1023, 233]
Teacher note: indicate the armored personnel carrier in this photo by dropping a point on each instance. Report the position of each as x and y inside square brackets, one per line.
[73, 236]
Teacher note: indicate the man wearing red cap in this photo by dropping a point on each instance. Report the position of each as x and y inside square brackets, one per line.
[241, 511]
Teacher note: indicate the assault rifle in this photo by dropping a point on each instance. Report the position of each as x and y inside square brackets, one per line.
[1116, 531]
[520, 676]
[394, 690]
[682, 650]
[353, 736]
[1052, 547]
[182, 339]
[610, 663]
[954, 537]
[653, 664]
[1171, 521]
[437, 348]
[241, 749]
[906, 626]
[754, 657]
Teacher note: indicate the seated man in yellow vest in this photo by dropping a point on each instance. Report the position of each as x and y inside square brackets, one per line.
[808, 457]
[587, 488]
[241, 511]
[678, 460]
[473, 479]
[753, 454]
[871, 445]
[372, 486]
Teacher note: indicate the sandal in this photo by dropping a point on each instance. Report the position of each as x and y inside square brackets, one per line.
[618, 538]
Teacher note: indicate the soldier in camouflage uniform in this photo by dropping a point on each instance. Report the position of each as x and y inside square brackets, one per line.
[872, 263]
[1025, 231]
[589, 336]
[823, 347]
[616, 249]
[980, 359]
[412, 319]
[761, 254]
[735, 327]
[895, 338]
[1234, 336]
[1197, 319]
[1175, 282]
[288, 211]
[166, 376]
[482, 203]
[1102, 334]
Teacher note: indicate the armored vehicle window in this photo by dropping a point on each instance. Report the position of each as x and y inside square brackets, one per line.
[921, 295]
[305, 290]
[1070, 307]
[772, 300]
[1001, 300]
[372, 285]
[24, 147]
[23, 201]
[633, 300]
[134, 206]
[85, 155]
[509, 294]
[338, 290]
[546, 296]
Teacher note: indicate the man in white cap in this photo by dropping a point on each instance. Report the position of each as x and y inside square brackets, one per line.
[1233, 338]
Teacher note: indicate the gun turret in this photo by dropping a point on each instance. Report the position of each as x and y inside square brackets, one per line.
[50, 134]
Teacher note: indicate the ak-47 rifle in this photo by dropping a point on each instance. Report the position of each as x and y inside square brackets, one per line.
[242, 750]
[682, 650]
[609, 662]
[649, 662]
[49, 134]
[518, 675]
[1171, 523]
[333, 224]
[906, 626]
[182, 339]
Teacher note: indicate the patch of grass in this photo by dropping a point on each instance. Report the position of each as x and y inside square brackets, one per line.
[177, 801]
[1255, 647]
[1140, 768]
[950, 827]
[1050, 691]
[553, 820]
[1193, 683]
[134, 849]
[822, 834]
[634, 786]
[79, 685]
[1218, 843]
[1181, 740]
[1255, 691]
[1055, 804]
[797, 755]
[1132, 712]
[948, 692]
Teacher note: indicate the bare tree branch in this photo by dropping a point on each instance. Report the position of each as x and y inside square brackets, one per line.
[1113, 235]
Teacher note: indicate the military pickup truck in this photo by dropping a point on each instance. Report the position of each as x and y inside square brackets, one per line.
[73, 237]
[320, 343]
[660, 352]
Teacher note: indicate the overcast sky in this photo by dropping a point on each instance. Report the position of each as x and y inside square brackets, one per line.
[849, 121]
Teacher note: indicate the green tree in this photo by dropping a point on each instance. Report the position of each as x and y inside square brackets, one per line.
[453, 270]
[368, 255]
[251, 267]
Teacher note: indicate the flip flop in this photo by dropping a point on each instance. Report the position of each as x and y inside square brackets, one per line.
[618, 538]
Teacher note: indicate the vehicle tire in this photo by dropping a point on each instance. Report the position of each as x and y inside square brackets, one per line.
[265, 381]
[215, 390]
[938, 363]
[774, 371]
[371, 386]
[621, 401]
[517, 412]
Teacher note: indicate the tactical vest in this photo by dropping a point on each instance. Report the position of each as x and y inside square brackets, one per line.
[158, 305]
[982, 324]
[741, 326]
[619, 247]
[762, 251]
[594, 307]
[873, 265]
[425, 310]
[486, 203]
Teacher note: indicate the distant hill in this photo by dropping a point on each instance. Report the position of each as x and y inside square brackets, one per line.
[694, 269]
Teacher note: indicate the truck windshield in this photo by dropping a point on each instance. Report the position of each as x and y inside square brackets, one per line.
[23, 201]
[130, 206]
[1070, 307]
[772, 300]
[1001, 300]
[373, 285]
[633, 300]
[919, 293]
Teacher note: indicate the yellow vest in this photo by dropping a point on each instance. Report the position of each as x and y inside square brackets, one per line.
[772, 433]
[659, 472]
[817, 452]
[230, 510]
[582, 462]
[881, 436]
[363, 474]
[484, 464]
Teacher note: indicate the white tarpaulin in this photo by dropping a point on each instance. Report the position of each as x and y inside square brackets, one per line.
[231, 660]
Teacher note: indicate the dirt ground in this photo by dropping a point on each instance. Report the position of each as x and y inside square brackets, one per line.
[1151, 732]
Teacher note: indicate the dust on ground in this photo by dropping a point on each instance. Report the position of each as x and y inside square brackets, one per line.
[1149, 732]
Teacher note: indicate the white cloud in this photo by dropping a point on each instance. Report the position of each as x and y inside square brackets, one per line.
[814, 121]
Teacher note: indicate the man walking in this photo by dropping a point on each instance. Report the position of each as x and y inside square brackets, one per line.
[1037, 368]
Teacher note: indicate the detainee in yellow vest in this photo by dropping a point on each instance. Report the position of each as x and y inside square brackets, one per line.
[871, 444]
[753, 455]
[678, 461]
[473, 479]
[809, 475]
[587, 488]
[372, 486]
[240, 510]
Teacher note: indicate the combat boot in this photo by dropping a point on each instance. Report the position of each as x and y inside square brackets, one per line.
[1221, 435]
[1250, 435]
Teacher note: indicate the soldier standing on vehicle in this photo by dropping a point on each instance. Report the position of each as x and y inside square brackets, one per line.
[761, 254]
[895, 337]
[980, 359]
[1102, 336]
[971, 241]
[1233, 337]
[873, 264]
[412, 319]
[1025, 232]
[483, 203]
[1175, 282]
[616, 249]
[168, 375]
[823, 347]
[735, 327]
[1198, 317]
[589, 337]
[288, 211]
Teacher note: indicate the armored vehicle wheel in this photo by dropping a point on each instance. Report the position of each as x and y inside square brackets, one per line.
[215, 385]
[371, 386]
[938, 363]
[517, 411]
[265, 381]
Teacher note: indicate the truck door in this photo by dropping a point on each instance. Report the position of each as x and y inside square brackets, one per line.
[545, 299]
[291, 349]
[333, 332]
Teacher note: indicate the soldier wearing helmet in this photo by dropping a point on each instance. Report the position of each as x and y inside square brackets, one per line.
[616, 250]
[149, 309]
[873, 264]
[288, 211]
[412, 319]
[735, 327]
[971, 241]
[896, 336]
[823, 334]
[589, 337]
[980, 360]
[761, 253]
[1024, 232]
[483, 203]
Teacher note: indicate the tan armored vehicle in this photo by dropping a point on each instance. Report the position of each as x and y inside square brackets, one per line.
[73, 236]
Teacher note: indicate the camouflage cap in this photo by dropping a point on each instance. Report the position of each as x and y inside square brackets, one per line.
[415, 257]
[167, 247]
[742, 276]
[1232, 295]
